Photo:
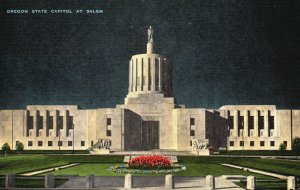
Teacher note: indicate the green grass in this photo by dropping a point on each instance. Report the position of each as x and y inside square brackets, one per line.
[198, 165]
[25, 163]
[98, 165]
[285, 167]
[193, 169]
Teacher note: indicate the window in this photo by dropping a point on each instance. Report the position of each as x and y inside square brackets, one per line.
[192, 133]
[49, 143]
[271, 133]
[150, 81]
[240, 121]
[251, 133]
[261, 121]
[230, 122]
[285, 142]
[231, 143]
[261, 133]
[39, 122]
[192, 126]
[241, 132]
[108, 121]
[60, 143]
[192, 121]
[241, 143]
[191, 143]
[50, 122]
[30, 122]
[82, 143]
[251, 143]
[271, 122]
[251, 122]
[29, 143]
[92, 143]
[272, 143]
[108, 133]
[69, 143]
[40, 143]
[262, 143]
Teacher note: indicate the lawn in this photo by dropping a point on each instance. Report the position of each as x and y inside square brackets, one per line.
[193, 169]
[284, 167]
[25, 163]
[197, 166]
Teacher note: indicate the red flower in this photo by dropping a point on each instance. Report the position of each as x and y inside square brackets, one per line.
[150, 162]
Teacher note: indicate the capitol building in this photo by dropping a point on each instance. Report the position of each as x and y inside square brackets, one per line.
[149, 119]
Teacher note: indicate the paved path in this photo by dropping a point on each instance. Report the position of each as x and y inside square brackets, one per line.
[257, 171]
[50, 169]
[149, 182]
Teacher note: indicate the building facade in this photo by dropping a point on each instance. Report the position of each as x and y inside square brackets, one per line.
[149, 119]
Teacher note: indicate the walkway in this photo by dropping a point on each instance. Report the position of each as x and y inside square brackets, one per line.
[257, 171]
[50, 169]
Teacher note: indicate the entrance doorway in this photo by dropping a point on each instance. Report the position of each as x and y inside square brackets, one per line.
[150, 135]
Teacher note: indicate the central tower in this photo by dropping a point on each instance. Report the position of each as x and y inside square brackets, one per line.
[149, 73]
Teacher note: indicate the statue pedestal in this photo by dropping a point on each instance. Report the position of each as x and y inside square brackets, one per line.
[201, 152]
[100, 151]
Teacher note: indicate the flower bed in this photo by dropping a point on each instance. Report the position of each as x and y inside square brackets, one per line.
[150, 162]
[153, 164]
[124, 169]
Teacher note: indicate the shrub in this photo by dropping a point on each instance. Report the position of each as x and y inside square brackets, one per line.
[222, 150]
[5, 147]
[296, 145]
[19, 146]
[211, 150]
[282, 147]
[150, 162]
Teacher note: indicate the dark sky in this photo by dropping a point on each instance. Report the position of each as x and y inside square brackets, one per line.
[222, 52]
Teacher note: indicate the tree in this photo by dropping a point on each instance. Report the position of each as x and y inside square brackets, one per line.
[282, 147]
[296, 145]
[19, 146]
[5, 147]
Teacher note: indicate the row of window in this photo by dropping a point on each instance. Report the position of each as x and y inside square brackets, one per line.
[69, 134]
[251, 131]
[252, 143]
[49, 122]
[59, 143]
[251, 121]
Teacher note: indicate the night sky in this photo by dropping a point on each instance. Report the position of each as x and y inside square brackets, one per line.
[222, 52]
